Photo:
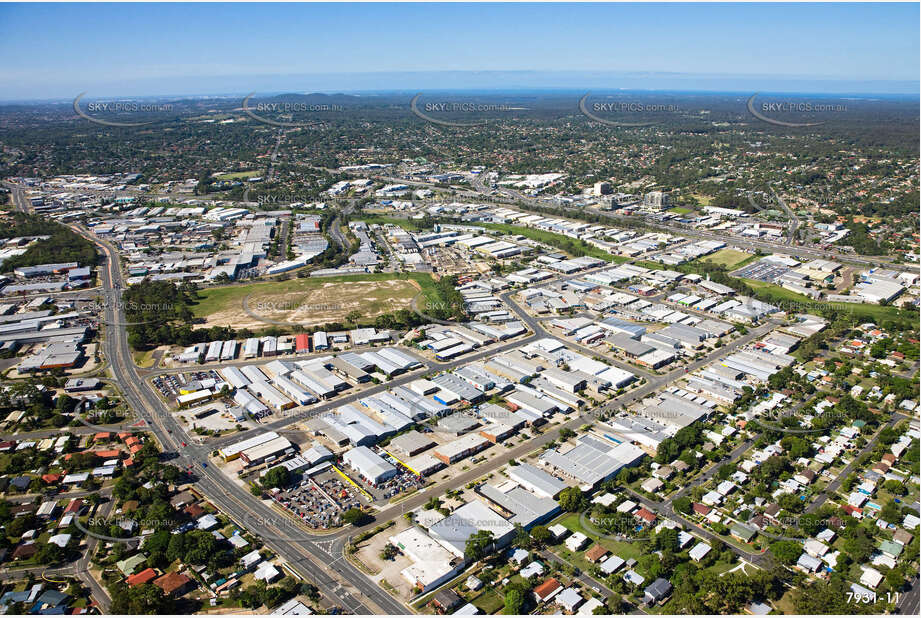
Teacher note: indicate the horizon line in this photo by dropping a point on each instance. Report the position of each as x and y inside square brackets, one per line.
[221, 85]
[62, 100]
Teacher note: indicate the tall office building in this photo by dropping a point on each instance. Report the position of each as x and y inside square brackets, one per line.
[656, 200]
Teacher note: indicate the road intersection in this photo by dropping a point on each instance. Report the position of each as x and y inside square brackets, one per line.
[321, 557]
[317, 559]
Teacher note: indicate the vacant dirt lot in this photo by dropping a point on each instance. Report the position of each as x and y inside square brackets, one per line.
[312, 302]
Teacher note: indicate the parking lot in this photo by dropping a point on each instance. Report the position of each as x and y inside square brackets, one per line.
[762, 271]
[320, 500]
[402, 482]
[170, 385]
[213, 416]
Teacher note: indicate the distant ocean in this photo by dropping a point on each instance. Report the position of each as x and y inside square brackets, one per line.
[480, 82]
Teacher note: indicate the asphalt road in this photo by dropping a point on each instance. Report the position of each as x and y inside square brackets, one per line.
[909, 603]
[319, 557]
[516, 199]
[338, 581]
[590, 582]
[794, 220]
[523, 201]
[270, 170]
[249, 361]
[484, 468]
[832, 487]
[664, 509]
[78, 569]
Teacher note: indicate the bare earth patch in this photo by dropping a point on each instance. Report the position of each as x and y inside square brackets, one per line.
[330, 302]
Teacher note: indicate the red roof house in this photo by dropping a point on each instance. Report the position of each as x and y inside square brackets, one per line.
[646, 515]
[545, 590]
[172, 583]
[144, 577]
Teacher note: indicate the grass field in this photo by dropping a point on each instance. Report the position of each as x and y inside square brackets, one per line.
[703, 200]
[789, 300]
[623, 549]
[730, 258]
[143, 359]
[311, 301]
[867, 312]
[572, 246]
[239, 175]
[489, 602]
[680, 210]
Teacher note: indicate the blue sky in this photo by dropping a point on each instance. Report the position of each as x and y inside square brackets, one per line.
[58, 50]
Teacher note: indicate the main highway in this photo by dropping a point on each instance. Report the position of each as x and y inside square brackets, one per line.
[516, 199]
[340, 582]
[320, 557]
[510, 197]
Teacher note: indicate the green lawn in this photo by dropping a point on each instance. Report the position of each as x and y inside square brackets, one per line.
[741, 258]
[622, 548]
[719, 567]
[143, 359]
[572, 246]
[730, 258]
[774, 293]
[864, 311]
[649, 264]
[239, 175]
[703, 200]
[680, 210]
[489, 602]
